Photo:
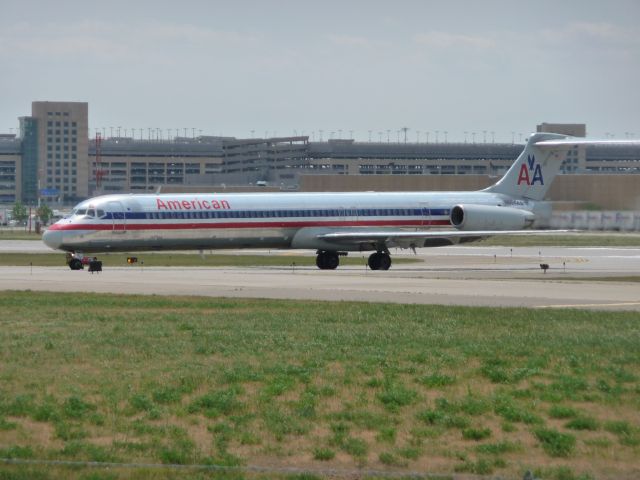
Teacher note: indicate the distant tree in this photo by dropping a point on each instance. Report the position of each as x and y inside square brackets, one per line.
[19, 212]
[44, 213]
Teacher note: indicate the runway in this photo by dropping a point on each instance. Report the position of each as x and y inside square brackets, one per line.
[479, 276]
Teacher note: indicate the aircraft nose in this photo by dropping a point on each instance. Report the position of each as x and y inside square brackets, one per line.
[52, 238]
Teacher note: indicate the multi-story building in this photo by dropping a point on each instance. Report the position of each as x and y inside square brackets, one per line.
[53, 159]
[10, 169]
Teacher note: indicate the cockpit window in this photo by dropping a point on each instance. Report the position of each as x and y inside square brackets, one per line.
[101, 213]
[91, 212]
[81, 211]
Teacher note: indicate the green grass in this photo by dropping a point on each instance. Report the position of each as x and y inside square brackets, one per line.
[185, 380]
[571, 240]
[18, 234]
[146, 259]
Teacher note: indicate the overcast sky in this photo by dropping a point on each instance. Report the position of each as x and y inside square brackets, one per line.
[280, 67]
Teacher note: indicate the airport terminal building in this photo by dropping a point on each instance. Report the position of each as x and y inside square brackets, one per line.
[54, 158]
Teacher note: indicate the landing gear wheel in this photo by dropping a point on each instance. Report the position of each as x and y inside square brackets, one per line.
[327, 260]
[379, 261]
[75, 264]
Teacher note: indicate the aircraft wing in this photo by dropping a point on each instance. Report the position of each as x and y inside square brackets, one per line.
[376, 239]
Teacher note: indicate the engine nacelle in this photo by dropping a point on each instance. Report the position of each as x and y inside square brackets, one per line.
[490, 217]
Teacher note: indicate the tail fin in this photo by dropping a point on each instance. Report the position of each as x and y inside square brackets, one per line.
[531, 174]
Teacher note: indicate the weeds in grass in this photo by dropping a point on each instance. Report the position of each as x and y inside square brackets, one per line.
[562, 412]
[436, 380]
[482, 466]
[626, 433]
[6, 425]
[561, 472]
[214, 404]
[508, 409]
[388, 458]
[17, 451]
[498, 448]
[476, 433]
[582, 422]
[395, 395]
[555, 443]
[323, 454]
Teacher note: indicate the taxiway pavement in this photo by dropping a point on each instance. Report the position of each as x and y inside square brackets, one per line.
[479, 276]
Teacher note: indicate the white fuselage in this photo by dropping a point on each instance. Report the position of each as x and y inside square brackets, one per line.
[260, 220]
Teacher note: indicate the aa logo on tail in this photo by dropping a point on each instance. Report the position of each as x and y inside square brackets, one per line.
[530, 172]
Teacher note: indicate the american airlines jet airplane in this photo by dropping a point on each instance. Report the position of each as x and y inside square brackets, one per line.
[331, 223]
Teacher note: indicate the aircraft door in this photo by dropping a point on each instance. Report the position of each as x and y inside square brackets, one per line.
[119, 220]
[425, 214]
[349, 214]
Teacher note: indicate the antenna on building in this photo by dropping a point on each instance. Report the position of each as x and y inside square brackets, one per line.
[405, 130]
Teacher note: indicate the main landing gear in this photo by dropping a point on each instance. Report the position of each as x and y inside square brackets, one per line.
[327, 260]
[330, 260]
[379, 261]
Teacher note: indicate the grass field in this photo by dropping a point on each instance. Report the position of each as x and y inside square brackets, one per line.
[6, 234]
[148, 259]
[315, 385]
